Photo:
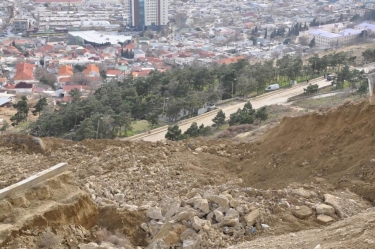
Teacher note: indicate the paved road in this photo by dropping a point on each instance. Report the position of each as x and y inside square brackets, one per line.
[277, 97]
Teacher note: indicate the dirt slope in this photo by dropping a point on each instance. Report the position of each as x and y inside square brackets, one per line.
[337, 146]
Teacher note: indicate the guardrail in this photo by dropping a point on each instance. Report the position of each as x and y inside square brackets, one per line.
[33, 180]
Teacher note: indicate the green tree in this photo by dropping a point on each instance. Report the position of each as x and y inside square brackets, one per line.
[48, 81]
[49, 123]
[22, 111]
[219, 119]
[311, 89]
[261, 114]
[86, 130]
[75, 94]
[192, 131]
[39, 106]
[173, 133]
[312, 43]
[4, 126]
[103, 74]
[204, 131]
[153, 119]
[124, 122]
[245, 115]
[79, 68]
[363, 88]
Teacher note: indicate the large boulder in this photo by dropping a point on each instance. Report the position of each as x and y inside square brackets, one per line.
[325, 209]
[324, 219]
[221, 200]
[184, 215]
[191, 244]
[173, 208]
[252, 217]
[202, 204]
[302, 212]
[218, 215]
[154, 213]
[231, 218]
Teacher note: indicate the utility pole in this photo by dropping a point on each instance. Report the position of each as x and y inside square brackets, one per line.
[97, 128]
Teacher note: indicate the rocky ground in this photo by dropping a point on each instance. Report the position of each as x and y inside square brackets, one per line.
[307, 173]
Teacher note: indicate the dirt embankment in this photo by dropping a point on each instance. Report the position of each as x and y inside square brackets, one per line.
[337, 146]
[53, 203]
[210, 188]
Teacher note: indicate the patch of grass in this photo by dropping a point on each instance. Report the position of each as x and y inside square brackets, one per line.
[143, 126]
[324, 104]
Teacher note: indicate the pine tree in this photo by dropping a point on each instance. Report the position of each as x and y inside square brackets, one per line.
[39, 106]
[265, 34]
[312, 43]
[22, 111]
[174, 133]
[219, 119]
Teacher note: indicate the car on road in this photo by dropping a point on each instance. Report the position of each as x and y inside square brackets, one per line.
[331, 77]
[272, 87]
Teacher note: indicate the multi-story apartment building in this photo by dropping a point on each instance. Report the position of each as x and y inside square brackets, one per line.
[148, 13]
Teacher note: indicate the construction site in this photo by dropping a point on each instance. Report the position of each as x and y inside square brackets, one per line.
[307, 182]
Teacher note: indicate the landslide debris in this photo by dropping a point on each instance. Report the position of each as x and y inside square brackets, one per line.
[307, 173]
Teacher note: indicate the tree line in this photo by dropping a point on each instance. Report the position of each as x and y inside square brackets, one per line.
[112, 109]
[246, 115]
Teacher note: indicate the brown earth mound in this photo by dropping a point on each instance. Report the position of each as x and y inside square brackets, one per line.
[337, 146]
[27, 144]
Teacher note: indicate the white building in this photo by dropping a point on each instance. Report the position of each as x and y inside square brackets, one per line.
[148, 13]
[327, 39]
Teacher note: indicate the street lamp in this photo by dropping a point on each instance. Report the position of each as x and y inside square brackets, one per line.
[164, 103]
[233, 88]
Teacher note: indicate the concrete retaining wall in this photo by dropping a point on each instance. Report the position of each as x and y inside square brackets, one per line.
[33, 180]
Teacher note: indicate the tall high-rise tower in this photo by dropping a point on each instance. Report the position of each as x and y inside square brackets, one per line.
[148, 13]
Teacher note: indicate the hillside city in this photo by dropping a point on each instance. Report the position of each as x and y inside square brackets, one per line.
[187, 124]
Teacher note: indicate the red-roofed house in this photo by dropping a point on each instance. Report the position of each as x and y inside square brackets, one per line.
[24, 87]
[115, 74]
[9, 86]
[231, 60]
[24, 72]
[142, 73]
[205, 54]
[91, 70]
[67, 88]
[65, 71]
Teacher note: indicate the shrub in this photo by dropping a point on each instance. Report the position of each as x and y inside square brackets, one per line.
[49, 240]
[235, 130]
[117, 239]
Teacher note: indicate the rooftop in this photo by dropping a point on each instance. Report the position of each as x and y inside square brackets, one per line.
[367, 25]
[99, 38]
[323, 33]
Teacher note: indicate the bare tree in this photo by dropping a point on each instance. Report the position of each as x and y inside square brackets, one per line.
[80, 79]
[102, 67]
[303, 40]
[39, 72]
